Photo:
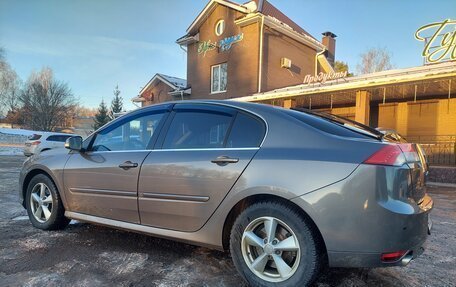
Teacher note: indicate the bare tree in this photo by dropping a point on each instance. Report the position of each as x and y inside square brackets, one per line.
[2, 55]
[47, 103]
[10, 86]
[82, 111]
[375, 60]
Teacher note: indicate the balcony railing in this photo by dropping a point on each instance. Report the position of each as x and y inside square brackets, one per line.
[440, 150]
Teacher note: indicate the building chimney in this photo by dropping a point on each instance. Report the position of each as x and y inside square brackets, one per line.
[329, 40]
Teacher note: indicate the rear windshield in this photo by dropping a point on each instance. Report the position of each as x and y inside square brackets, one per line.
[58, 138]
[334, 124]
[34, 137]
[395, 137]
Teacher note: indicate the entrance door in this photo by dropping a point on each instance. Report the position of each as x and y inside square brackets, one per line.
[205, 150]
[102, 181]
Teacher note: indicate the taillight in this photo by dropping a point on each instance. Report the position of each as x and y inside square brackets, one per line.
[410, 152]
[392, 256]
[387, 155]
[36, 143]
[394, 155]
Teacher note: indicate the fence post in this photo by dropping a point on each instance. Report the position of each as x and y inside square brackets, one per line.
[454, 150]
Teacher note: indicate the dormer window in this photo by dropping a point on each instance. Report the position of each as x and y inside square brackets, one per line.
[220, 27]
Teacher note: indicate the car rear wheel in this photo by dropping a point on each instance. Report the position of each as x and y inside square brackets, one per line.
[44, 205]
[274, 245]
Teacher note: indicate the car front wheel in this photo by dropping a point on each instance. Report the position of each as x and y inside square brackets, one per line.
[272, 244]
[44, 205]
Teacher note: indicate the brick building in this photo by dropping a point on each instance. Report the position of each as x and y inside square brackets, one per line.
[236, 50]
[253, 52]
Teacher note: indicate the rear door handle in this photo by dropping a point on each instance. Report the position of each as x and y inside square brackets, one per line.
[128, 164]
[224, 160]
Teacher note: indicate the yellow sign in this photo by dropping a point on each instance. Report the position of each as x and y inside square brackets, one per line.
[440, 42]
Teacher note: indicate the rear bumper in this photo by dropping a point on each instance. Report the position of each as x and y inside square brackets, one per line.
[367, 214]
[29, 150]
[370, 260]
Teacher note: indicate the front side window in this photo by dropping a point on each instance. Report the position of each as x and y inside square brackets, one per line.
[219, 78]
[132, 135]
[197, 129]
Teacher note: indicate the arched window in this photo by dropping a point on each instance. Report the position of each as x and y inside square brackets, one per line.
[220, 27]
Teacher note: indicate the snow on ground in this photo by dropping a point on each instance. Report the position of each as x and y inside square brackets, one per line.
[11, 150]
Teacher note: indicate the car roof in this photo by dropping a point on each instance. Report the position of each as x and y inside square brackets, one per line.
[252, 107]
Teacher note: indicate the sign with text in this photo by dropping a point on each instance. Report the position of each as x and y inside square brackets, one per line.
[206, 46]
[323, 77]
[439, 41]
[224, 44]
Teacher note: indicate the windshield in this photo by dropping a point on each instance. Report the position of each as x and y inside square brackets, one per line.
[347, 123]
[34, 137]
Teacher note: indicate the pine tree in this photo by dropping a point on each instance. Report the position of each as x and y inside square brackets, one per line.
[102, 116]
[117, 102]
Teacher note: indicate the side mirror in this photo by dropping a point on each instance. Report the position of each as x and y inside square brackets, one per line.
[74, 143]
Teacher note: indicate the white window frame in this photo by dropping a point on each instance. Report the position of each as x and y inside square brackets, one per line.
[220, 23]
[219, 66]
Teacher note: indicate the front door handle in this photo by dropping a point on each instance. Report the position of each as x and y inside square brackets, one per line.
[224, 160]
[128, 164]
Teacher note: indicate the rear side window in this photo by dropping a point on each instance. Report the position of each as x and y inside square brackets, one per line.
[247, 131]
[197, 129]
[58, 138]
[34, 137]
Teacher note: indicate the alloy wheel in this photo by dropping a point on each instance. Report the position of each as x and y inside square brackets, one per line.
[270, 249]
[41, 202]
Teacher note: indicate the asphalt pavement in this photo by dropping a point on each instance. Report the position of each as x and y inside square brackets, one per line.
[89, 255]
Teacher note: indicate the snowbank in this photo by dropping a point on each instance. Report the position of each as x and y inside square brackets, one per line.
[17, 132]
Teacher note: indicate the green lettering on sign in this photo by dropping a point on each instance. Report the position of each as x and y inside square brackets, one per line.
[224, 44]
[441, 42]
[205, 46]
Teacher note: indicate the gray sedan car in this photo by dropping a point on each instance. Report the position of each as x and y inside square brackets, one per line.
[286, 191]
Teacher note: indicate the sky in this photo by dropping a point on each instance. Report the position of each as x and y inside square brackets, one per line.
[95, 45]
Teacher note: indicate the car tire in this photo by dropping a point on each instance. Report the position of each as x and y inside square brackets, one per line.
[292, 230]
[44, 204]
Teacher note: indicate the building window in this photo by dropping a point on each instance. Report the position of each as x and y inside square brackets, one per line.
[220, 27]
[218, 78]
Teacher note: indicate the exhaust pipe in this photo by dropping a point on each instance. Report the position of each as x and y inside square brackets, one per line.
[406, 259]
